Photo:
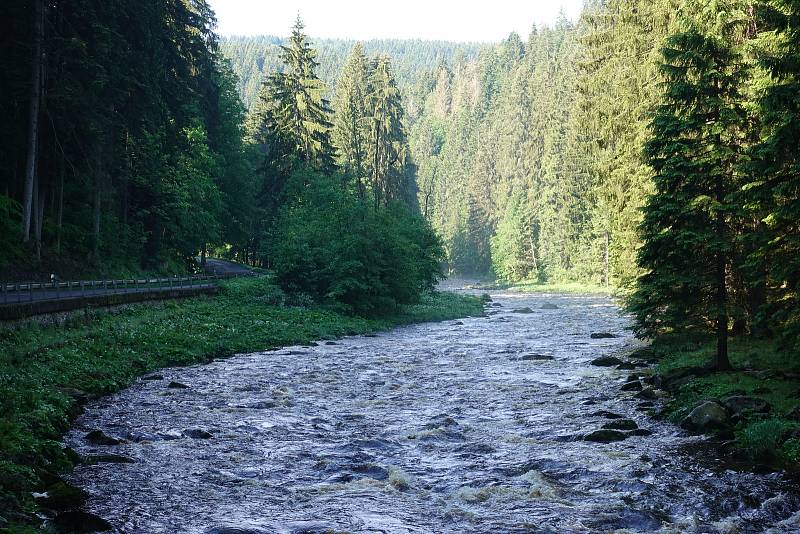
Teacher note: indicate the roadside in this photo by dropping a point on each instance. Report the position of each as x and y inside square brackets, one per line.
[48, 373]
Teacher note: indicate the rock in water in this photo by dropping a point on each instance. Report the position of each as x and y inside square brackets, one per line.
[738, 404]
[606, 414]
[537, 357]
[646, 394]
[62, 496]
[707, 416]
[77, 522]
[98, 437]
[633, 385]
[95, 459]
[549, 306]
[522, 310]
[605, 436]
[621, 424]
[602, 335]
[606, 361]
[197, 433]
[177, 385]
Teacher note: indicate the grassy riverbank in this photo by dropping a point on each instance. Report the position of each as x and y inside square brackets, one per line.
[762, 370]
[46, 372]
[534, 286]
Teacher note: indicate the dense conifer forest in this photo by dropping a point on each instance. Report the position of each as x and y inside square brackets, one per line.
[649, 150]
[649, 147]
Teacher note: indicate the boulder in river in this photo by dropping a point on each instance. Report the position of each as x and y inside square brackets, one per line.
[177, 385]
[197, 433]
[633, 385]
[549, 306]
[98, 437]
[153, 377]
[537, 357]
[640, 432]
[646, 394]
[706, 416]
[62, 496]
[602, 335]
[606, 361]
[738, 404]
[606, 414]
[522, 310]
[605, 435]
[95, 459]
[79, 522]
[621, 424]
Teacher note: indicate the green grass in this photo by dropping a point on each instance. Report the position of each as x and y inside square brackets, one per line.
[534, 286]
[760, 370]
[103, 351]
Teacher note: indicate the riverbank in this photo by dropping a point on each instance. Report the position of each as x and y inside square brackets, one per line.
[533, 286]
[48, 372]
[754, 410]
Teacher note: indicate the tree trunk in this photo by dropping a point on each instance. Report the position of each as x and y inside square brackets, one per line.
[722, 361]
[33, 119]
[60, 212]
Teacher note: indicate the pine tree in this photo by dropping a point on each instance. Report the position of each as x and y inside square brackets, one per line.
[388, 144]
[775, 189]
[693, 150]
[299, 111]
[351, 121]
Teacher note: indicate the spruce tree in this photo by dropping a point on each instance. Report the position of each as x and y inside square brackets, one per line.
[775, 189]
[351, 122]
[388, 144]
[299, 110]
[693, 150]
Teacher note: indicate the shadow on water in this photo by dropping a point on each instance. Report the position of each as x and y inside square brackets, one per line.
[461, 426]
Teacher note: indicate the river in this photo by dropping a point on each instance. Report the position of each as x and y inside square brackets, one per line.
[459, 426]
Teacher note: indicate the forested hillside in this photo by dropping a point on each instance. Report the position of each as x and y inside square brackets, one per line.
[254, 58]
[122, 143]
[530, 156]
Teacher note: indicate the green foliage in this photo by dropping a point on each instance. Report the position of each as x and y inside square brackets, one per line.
[762, 440]
[693, 149]
[102, 352]
[339, 249]
[512, 257]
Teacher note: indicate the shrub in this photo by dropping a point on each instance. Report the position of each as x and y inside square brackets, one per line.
[761, 440]
[341, 250]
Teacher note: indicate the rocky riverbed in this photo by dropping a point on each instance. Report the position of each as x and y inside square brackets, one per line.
[490, 424]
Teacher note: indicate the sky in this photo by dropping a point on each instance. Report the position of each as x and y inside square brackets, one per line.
[448, 20]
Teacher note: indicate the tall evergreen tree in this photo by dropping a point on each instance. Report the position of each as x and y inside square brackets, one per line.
[693, 150]
[388, 144]
[351, 121]
[775, 189]
[299, 109]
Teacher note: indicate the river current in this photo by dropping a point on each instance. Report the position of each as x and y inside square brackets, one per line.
[459, 426]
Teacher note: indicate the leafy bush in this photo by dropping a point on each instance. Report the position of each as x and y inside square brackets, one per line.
[760, 440]
[343, 251]
[791, 453]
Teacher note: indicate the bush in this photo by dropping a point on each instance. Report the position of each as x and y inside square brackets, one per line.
[760, 440]
[343, 251]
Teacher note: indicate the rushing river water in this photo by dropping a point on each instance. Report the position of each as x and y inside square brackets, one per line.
[440, 427]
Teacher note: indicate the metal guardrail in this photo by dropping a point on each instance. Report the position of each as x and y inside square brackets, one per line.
[41, 291]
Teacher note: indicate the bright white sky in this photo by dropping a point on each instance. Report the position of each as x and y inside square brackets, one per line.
[448, 20]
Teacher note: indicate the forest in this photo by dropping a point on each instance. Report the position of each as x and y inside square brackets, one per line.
[648, 151]
[649, 147]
